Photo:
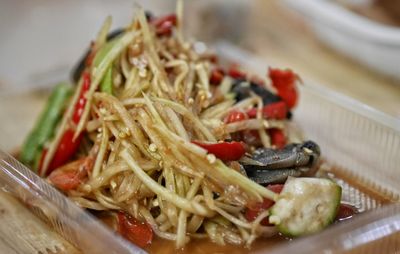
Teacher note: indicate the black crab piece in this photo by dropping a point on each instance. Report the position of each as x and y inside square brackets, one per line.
[243, 88]
[267, 165]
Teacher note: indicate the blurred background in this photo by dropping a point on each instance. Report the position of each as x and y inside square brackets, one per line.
[350, 46]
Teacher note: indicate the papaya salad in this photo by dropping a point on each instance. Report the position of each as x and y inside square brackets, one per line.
[171, 144]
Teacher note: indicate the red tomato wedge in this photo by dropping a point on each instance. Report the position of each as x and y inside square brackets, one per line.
[65, 181]
[285, 82]
[139, 233]
[71, 175]
[226, 151]
[256, 209]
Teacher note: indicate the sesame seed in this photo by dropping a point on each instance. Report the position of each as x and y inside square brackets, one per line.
[152, 147]
[127, 131]
[274, 219]
[142, 73]
[211, 158]
[87, 188]
[117, 80]
[113, 184]
[103, 111]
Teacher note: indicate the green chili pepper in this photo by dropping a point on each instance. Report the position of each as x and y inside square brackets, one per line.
[45, 126]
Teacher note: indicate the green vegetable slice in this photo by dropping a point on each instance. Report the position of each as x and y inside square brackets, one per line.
[45, 126]
[306, 206]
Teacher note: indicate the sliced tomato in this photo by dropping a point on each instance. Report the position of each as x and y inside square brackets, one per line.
[71, 175]
[139, 233]
[65, 181]
[256, 209]
[285, 82]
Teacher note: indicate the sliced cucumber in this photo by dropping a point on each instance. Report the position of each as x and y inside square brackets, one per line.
[305, 206]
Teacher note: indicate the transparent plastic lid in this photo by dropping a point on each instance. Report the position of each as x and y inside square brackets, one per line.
[71, 222]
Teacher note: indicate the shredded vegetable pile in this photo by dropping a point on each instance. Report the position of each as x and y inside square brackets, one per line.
[153, 133]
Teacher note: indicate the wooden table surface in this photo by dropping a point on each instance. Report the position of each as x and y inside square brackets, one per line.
[274, 34]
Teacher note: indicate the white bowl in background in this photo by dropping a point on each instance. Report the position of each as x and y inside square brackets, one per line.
[371, 43]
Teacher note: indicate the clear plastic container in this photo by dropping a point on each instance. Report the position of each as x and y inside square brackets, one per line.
[373, 44]
[360, 144]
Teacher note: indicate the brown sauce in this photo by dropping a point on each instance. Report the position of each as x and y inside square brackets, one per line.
[373, 193]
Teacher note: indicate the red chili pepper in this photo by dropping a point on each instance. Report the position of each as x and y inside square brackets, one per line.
[68, 146]
[226, 151]
[235, 72]
[80, 105]
[277, 136]
[276, 110]
[139, 233]
[235, 116]
[254, 210]
[285, 82]
[164, 24]
[217, 75]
